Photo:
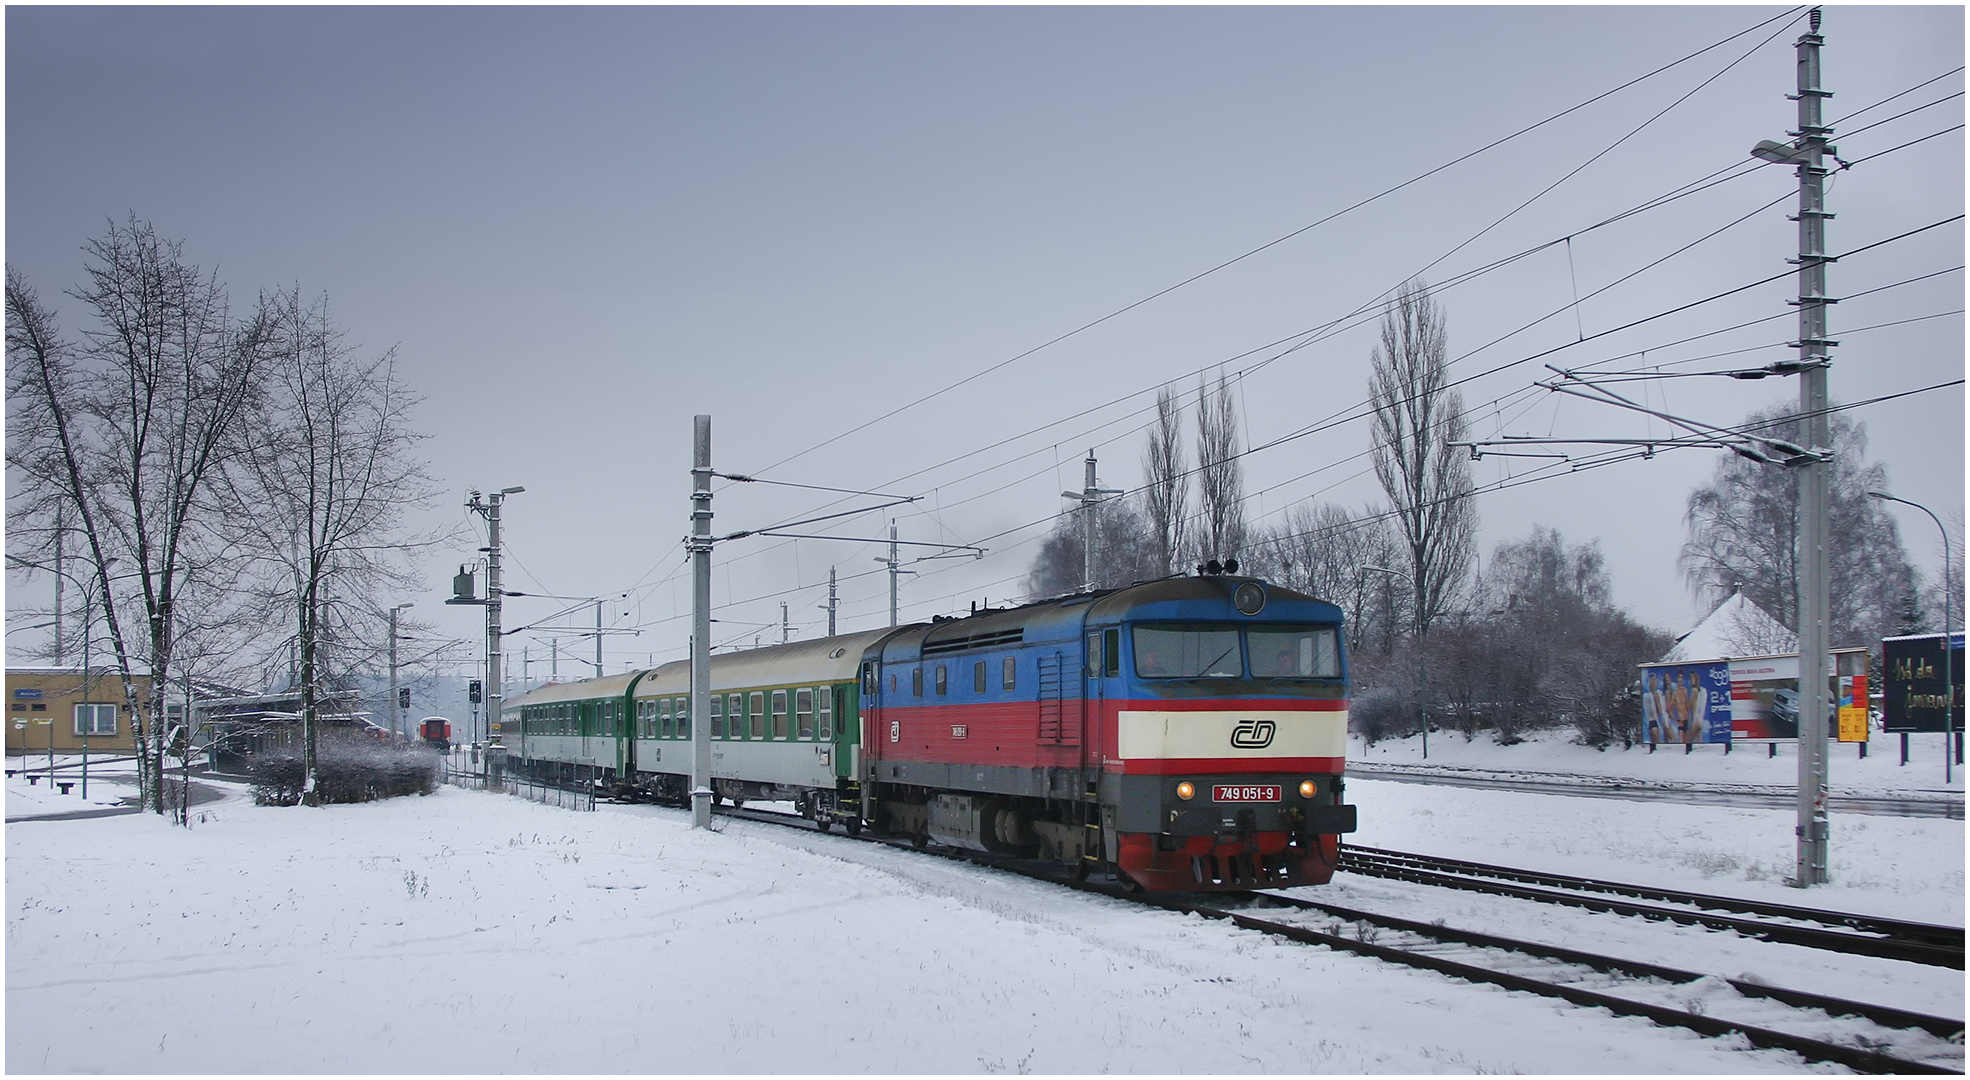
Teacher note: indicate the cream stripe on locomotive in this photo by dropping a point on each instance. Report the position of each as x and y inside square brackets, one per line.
[1255, 733]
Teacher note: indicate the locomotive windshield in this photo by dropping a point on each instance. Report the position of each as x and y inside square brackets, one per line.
[1192, 651]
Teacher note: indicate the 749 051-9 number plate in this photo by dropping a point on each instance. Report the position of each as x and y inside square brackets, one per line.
[1245, 793]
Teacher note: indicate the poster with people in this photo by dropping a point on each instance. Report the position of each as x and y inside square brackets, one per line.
[1686, 704]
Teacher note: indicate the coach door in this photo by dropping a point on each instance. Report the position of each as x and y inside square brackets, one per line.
[1102, 656]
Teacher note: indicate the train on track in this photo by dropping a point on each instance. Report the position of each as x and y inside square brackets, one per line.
[1181, 734]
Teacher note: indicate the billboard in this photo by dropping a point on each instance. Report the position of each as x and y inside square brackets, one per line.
[1753, 698]
[1913, 693]
[1684, 704]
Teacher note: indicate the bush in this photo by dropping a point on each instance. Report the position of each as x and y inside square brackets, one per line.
[349, 772]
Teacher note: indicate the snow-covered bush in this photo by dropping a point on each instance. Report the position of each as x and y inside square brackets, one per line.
[350, 771]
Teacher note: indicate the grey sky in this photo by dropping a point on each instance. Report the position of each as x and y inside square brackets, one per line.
[582, 226]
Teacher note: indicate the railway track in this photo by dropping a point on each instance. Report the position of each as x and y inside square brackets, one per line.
[1833, 931]
[1863, 1037]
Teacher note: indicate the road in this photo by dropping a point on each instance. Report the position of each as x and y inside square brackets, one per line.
[1942, 804]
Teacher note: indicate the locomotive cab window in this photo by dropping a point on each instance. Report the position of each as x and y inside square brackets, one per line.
[869, 680]
[1187, 651]
[916, 681]
[943, 680]
[1294, 652]
[1010, 676]
[1111, 652]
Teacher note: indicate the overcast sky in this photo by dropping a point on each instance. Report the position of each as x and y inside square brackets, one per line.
[579, 227]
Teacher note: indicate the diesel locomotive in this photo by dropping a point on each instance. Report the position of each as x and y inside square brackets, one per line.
[1181, 734]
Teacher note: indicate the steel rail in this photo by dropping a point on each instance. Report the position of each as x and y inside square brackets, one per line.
[1858, 1059]
[1935, 947]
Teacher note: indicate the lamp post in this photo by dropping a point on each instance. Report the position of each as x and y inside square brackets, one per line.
[1388, 614]
[1950, 746]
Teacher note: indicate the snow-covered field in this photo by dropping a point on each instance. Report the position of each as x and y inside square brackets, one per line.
[1880, 773]
[468, 932]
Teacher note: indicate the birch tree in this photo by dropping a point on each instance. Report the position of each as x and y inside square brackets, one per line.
[320, 491]
[121, 434]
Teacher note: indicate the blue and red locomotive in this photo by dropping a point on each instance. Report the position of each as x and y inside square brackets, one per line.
[1183, 734]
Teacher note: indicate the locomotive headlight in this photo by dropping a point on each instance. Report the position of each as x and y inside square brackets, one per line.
[1307, 789]
[1186, 790]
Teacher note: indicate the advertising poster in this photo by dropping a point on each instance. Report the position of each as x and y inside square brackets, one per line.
[1913, 694]
[1765, 697]
[1684, 704]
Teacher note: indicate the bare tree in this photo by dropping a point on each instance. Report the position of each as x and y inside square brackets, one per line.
[134, 424]
[1124, 539]
[1322, 550]
[1220, 476]
[1744, 527]
[1416, 419]
[319, 492]
[1166, 482]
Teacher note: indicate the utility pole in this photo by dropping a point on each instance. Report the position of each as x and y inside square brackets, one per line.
[786, 629]
[1090, 498]
[1807, 151]
[494, 688]
[895, 572]
[61, 534]
[699, 545]
[598, 639]
[830, 605]
[396, 710]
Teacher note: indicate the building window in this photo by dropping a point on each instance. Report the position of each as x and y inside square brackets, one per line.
[95, 719]
[779, 714]
[978, 677]
[1010, 676]
[39, 706]
[803, 713]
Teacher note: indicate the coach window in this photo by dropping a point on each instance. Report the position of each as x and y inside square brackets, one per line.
[756, 708]
[803, 713]
[663, 712]
[717, 717]
[735, 717]
[916, 681]
[828, 711]
[978, 677]
[683, 718]
[779, 714]
[1010, 677]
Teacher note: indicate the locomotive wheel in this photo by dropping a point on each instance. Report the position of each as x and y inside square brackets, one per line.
[823, 824]
[854, 826]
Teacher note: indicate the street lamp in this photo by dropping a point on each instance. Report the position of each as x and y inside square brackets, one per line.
[1950, 746]
[1388, 613]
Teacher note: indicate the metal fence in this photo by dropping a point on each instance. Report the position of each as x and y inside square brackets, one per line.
[463, 776]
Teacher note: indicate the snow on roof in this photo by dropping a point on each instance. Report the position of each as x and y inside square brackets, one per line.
[1737, 627]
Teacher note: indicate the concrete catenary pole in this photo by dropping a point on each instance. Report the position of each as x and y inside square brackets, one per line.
[833, 599]
[893, 575]
[598, 639]
[495, 690]
[1814, 474]
[1090, 499]
[699, 545]
[396, 710]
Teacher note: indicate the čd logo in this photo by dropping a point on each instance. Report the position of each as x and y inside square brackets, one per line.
[1252, 734]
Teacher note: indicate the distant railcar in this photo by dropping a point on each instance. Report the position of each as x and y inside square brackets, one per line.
[1182, 734]
[435, 731]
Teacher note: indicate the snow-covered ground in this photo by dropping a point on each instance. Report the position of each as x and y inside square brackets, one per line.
[469, 932]
[1880, 773]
